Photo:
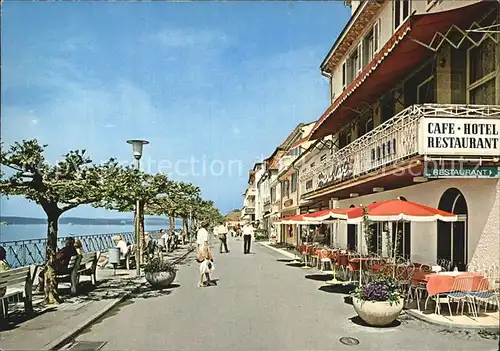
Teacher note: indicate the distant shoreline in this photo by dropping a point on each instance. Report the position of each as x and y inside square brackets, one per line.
[14, 220]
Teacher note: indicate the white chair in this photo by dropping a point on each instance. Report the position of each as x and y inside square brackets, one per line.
[460, 293]
[487, 293]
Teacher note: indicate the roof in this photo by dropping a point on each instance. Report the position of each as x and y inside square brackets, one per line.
[357, 22]
[399, 56]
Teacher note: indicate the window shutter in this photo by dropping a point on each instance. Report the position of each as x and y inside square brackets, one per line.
[359, 66]
[376, 36]
[344, 76]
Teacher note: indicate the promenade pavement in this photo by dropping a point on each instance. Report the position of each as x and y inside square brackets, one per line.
[53, 325]
[261, 302]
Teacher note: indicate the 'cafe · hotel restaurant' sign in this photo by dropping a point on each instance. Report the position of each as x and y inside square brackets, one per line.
[460, 136]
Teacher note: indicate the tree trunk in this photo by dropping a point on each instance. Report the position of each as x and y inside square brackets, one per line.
[50, 289]
[171, 218]
[141, 230]
[185, 225]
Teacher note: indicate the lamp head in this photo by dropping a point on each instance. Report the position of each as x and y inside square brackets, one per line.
[137, 147]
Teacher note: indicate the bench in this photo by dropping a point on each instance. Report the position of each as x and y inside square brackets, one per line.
[88, 265]
[71, 274]
[79, 265]
[17, 283]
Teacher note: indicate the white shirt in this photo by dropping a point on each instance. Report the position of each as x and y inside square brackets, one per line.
[201, 236]
[221, 229]
[122, 245]
[247, 230]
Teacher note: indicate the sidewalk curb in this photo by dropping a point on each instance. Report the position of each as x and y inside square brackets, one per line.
[457, 327]
[283, 252]
[65, 338]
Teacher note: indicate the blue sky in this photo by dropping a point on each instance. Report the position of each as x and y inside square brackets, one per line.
[220, 83]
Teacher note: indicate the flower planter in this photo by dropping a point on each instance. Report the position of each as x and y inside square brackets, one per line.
[160, 279]
[377, 313]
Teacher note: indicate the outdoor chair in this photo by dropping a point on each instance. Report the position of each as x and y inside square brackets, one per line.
[485, 294]
[418, 287]
[460, 293]
[325, 260]
[371, 267]
[445, 264]
[353, 269]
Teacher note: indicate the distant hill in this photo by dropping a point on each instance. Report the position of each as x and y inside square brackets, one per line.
[233, 216]
[10, 220]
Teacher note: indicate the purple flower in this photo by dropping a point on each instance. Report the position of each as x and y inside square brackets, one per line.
[375, 292]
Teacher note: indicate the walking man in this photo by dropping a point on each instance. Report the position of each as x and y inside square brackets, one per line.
[247, 237]
[222, 233]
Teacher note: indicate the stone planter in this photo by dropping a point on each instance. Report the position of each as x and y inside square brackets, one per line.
[377, 313]
[160, 279]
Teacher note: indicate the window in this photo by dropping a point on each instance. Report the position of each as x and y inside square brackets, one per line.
[365, 126]
[294, 182]
[286, 188]
[344, 139]
[482, 71]
[323, 157]
[371, 43]
[309, 185]
[273, 194]
[426, 91]
[313, 164]
[351, 67]
[401, 12]
[295, 151]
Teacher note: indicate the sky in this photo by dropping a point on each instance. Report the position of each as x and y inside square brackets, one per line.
[213, 86]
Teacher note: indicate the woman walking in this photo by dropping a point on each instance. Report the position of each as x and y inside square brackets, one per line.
[204, 256]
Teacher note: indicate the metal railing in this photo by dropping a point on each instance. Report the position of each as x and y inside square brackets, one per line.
[391, 142]
[32, 251]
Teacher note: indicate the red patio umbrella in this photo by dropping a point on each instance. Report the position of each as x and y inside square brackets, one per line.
[396, 210]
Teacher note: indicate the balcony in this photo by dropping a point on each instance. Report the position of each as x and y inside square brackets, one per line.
[284, 162]
[419, 130]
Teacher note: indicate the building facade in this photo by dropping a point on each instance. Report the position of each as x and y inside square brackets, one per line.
[415, 95]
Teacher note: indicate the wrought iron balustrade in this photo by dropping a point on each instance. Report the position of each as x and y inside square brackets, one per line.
[32, 251]
[392, 141]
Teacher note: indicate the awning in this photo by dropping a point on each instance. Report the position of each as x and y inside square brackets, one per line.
[398, 57]
[392, 211]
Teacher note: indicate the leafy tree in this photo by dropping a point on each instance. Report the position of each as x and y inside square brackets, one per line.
[129, 185]
[58, 188]
[188, 199]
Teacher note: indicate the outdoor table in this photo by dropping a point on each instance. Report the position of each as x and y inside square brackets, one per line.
[362, 261]
[441, 283]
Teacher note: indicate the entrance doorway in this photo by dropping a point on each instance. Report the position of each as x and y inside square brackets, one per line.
[352, 236]
[452, 237]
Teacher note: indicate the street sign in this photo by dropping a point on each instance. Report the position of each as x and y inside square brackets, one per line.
[462, 171]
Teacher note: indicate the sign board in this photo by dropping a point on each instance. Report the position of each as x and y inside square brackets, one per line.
[460, 136]
[288, 203]
[462, 171]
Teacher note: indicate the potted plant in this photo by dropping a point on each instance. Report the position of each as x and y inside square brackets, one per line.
[380, 301]
[159, 273]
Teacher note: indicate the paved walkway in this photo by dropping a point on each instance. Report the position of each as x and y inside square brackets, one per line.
[261, 303]
[51, 325]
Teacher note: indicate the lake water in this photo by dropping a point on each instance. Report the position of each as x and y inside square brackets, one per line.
[38, 231]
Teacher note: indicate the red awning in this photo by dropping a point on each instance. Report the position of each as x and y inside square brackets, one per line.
[394, 210]
[324, 214]
[398, 57]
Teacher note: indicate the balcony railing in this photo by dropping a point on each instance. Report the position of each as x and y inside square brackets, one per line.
[393, 141]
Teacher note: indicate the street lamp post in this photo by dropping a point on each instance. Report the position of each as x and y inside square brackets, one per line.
[137, 146]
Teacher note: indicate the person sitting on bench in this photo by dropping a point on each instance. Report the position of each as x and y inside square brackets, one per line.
[61, 263]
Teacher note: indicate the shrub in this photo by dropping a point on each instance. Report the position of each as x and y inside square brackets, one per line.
[156, 265]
